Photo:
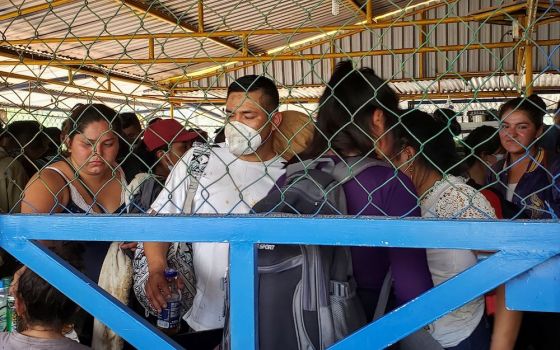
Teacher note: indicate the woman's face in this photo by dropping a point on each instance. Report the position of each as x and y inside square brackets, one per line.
[517, 132]
[95, 150]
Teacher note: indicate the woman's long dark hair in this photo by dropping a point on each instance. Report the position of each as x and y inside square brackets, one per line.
[344, 120]
[431, 140]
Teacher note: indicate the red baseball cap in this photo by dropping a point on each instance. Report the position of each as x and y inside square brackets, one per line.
[166, 131]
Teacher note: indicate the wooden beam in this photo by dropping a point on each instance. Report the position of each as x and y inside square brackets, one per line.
[152, 11]
[34, 9]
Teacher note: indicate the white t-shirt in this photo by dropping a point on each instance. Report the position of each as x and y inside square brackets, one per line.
[510, 191]
[452, 198]
[227, 186]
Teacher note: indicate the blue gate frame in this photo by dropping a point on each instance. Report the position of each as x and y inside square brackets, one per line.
[520, 246]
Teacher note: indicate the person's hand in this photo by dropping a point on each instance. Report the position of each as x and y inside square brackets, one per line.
[158, 288]
[129, 245]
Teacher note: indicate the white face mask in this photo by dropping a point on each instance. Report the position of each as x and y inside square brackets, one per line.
[241, 139]
[170, 164]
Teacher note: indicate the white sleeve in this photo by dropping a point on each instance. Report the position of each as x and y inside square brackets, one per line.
[172, 197]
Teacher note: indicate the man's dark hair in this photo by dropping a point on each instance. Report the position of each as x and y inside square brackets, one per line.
[129, 119]
[44, 304]
[24, 134]
[249, 83]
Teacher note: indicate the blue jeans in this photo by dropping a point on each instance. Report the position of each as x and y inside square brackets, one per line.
[478, 340]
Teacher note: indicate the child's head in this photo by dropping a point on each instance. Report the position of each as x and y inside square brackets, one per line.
[40, 304]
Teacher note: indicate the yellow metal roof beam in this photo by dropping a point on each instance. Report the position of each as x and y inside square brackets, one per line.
[150, 10]
[241, 33]
[9, 75]
[34, 9]
[85, 70]
[266, 58]
[403, 97]
[221, 69]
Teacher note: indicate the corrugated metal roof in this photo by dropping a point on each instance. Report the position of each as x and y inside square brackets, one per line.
[110, 17]
[406, 66]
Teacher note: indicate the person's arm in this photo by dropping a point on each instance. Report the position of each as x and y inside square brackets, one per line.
[44, 193]
[169, 201]
[506, 324]
[157, 287]
[409, 267]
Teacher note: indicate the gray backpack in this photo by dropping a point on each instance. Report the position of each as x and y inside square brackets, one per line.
[307, 294]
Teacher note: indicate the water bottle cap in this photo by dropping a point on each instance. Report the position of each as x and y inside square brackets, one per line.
[170, 273]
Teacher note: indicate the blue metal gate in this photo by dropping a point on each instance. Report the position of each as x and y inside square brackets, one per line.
[520, 246]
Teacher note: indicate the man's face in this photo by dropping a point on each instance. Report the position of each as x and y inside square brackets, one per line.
[177, 150]
[246, 108]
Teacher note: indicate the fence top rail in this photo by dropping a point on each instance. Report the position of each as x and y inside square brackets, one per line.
[383, 232]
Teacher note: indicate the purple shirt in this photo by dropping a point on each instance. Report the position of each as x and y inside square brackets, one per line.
[382, 191]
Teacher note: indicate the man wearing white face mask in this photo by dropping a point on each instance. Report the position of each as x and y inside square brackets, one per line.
[238, 174]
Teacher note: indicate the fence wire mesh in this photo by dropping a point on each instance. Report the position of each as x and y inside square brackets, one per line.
[436, 108]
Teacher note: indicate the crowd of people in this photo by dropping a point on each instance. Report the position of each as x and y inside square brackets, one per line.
[111, 165]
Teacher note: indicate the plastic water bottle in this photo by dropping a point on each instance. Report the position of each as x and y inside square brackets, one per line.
[169, 319]
[3, 307]
[10, 313]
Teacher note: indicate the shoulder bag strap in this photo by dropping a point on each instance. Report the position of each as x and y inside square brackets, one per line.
[199, 161]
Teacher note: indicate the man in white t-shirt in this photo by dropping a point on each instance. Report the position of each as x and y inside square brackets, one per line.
[238, 174]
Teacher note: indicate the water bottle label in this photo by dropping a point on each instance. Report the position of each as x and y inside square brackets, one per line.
[170, 316]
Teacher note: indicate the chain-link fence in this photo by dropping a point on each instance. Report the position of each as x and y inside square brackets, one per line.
[445, 109]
